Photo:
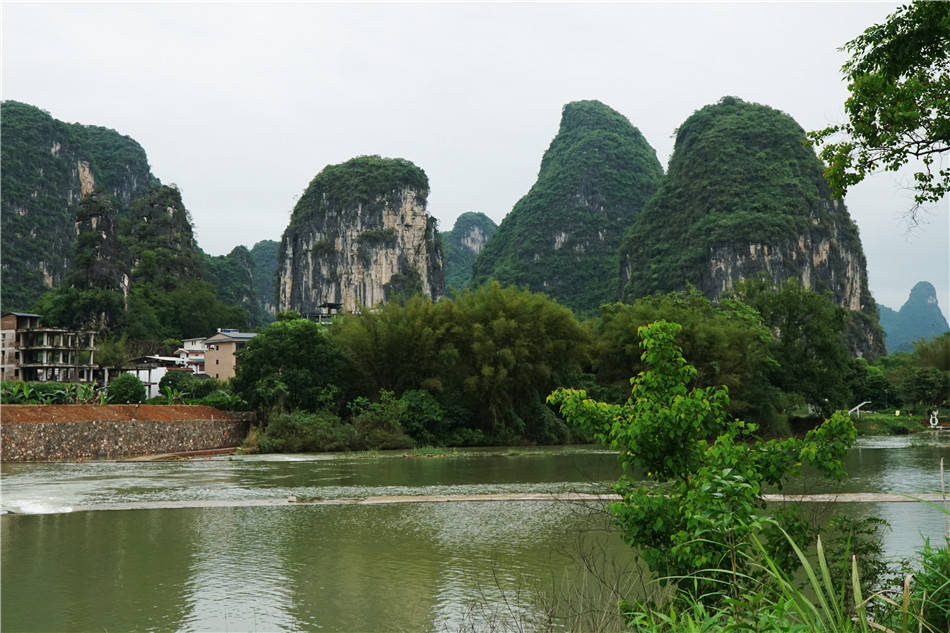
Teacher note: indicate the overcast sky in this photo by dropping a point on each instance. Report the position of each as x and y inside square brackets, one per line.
[240, 105]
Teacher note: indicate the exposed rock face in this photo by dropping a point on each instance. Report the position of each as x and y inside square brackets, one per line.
[743, 198]
[562, 237]
[462, 244]
[919, 318]
[359, 235]
[47, 168]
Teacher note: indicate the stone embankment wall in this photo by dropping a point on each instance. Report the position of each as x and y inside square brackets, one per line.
[108, 434]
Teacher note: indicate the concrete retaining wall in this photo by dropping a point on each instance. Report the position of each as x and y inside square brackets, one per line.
[114, 439]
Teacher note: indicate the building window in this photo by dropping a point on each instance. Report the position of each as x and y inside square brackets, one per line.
[217, 362]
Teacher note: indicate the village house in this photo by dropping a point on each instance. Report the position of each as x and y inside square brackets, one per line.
[220, 359]
[192, 352]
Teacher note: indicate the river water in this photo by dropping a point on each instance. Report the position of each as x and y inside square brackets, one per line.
[215, 545]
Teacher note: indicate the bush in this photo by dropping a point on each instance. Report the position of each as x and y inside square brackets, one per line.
[421, 416]
[376, 424]
[176, 380]
[305, 432]
[124, 389]
[224, 400]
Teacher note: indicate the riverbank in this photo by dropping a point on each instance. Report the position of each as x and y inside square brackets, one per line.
[79, 432]
[890, 424]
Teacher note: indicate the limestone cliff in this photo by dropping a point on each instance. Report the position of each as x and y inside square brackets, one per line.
[359, 235]
[462, 245]
[48, 166]
[744, 197]
[562, 237]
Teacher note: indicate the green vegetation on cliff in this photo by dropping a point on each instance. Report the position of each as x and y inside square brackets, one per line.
[744, 197]
[235, 279]
[44, 166]
[739, 174]
[461, 246]
[139, 279]
[562, 237]
[359, 180]
[264, 254]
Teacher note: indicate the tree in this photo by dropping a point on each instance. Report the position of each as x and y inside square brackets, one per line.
[701, 516]
[899, 79]
[810, 349]
[292, 365]
[488, 357]
[726, 341]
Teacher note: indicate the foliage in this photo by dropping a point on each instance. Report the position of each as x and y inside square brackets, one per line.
[264, 255]
[124, 389]
[860, 539]
[17, 392]
[810, 349]
[825, 605]
[931, 591]
[740, 178]
[898, 78]
[926, 387]
[299, 432]
[487, 357]
[935, 353]
[706, 507]
[289, 365]
[40, 180]
[358, 180]
[234, 279]
[178, 380]
[377, 424]
[726, 342]
[457, 245]
[562, 237]
[422, 417]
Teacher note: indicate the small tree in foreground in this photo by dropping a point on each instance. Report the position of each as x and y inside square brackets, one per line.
[695, 522]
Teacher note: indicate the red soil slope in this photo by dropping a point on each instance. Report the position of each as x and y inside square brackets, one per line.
[33, 413]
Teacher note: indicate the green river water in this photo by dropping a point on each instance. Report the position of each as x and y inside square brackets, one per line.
[214, 545]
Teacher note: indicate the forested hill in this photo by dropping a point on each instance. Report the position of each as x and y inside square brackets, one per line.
[919, 318]
[562, 237]
[745, 197]
[46, 166]
[462, 244]
[91, 239]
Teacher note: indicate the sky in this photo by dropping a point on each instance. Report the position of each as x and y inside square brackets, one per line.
[241, 105]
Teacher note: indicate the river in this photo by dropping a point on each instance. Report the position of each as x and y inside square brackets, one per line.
[216, 545]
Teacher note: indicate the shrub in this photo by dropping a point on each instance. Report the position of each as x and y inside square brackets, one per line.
[305, 432]
[376, 424]
[224, 400]
[124, 389]
[176, 380]
[421, 416]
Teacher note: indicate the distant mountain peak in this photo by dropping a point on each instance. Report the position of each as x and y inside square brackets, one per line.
[919, 318]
